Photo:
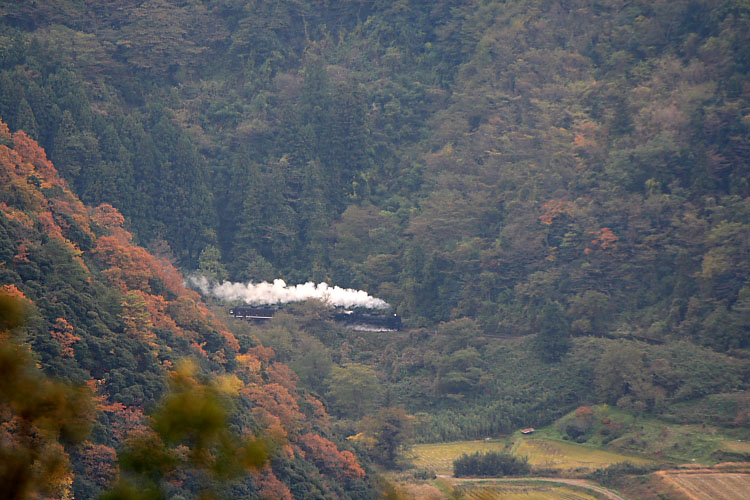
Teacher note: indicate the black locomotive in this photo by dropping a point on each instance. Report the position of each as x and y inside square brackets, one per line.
[357, 319]
[253, 313]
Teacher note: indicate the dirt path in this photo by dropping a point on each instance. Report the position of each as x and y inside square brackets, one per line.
[582, 483]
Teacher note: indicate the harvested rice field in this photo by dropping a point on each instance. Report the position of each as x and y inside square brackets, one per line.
[548, 454]
[439, 457]
[524, 492]
[712, 485]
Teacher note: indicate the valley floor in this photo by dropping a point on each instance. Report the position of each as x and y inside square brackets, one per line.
[570, 463]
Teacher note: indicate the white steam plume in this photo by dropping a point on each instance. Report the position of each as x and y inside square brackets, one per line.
[279, 293]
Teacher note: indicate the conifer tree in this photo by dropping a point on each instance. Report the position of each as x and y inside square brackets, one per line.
[552, 338]
[25, 119]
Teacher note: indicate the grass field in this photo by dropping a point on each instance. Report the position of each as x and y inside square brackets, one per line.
[713, 485]
[736, 446]
[439, 457]
[653, 437]
[523, 492]
[547, 454]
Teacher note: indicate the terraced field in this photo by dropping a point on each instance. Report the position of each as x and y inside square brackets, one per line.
[547, 454]
[712, 485]
[523, 492]
[439, 457]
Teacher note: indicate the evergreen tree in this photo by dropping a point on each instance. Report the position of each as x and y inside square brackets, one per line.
[46, 111]
[25, 119]
[552, 338]
[11, 94]
[346, 152]
[210, 266]
[65, 146]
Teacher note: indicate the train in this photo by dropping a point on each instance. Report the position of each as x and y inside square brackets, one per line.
[253, 313]
[357, 319]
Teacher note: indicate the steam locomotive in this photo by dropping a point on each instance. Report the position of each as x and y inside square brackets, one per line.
[368, 320]
[253, 313]
[354, 318]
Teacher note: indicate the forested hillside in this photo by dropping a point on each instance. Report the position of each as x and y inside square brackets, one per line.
[104, 313]
[554, 195]
[461, 159]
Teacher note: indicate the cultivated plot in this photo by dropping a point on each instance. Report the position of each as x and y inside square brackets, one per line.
[736, 446]
[713, 485]
[439, 457]
[523, 492]
[546, 454]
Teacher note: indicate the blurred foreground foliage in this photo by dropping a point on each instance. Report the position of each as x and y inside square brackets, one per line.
[39, 418]
[189, 432]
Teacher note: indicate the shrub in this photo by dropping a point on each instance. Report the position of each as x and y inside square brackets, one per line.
[490, 464]
[424, 474]
[610, 476]
[575, 429]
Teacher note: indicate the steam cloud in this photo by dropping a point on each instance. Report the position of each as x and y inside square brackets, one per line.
[279, 292]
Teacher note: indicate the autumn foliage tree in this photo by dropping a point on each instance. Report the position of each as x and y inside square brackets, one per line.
[329, 458]
[386, 433]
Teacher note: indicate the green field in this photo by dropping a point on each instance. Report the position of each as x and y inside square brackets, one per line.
[548, 454]
[524, 491]
[640, 435]
[439, 457]
[688, 443]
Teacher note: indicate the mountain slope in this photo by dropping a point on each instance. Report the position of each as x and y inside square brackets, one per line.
[499, 158]
[107, 313]
[569, 176]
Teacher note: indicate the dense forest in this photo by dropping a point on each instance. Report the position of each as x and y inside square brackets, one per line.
[553, 194]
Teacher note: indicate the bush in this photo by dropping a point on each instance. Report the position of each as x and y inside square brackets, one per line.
[490, 464]
[610, 476]
[424, 474]
[575, 430]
